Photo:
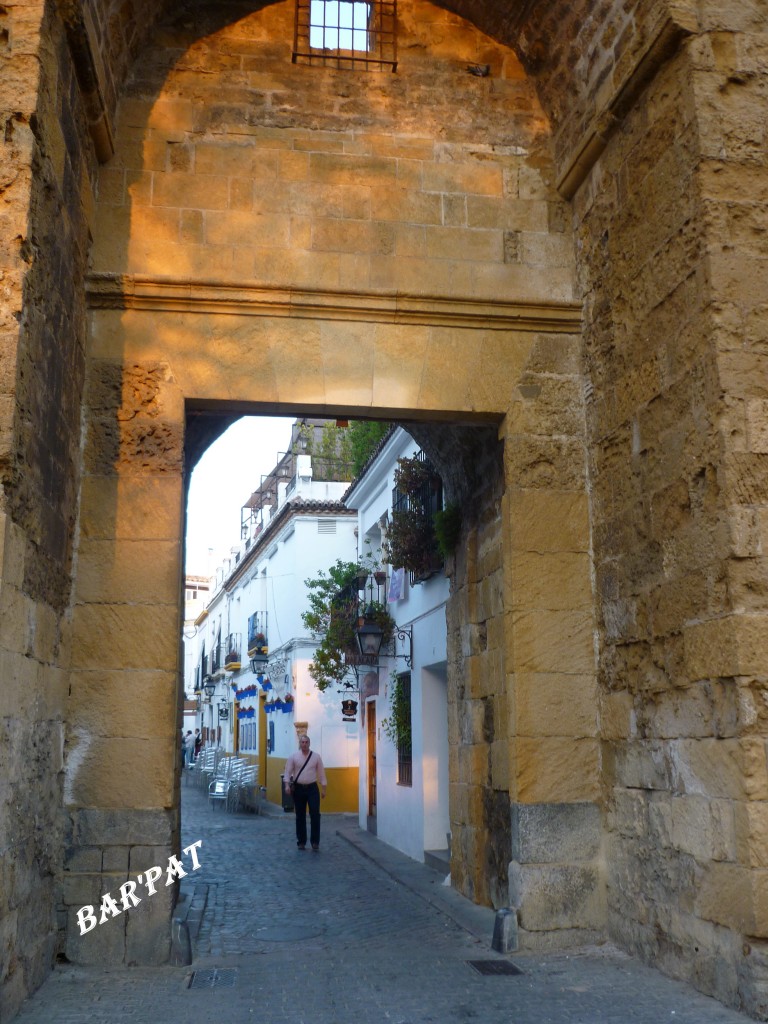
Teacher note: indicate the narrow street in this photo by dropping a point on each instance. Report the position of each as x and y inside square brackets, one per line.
[334, 938]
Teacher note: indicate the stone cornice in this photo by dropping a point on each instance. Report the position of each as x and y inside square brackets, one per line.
[90, 73]
[111, 291]
[663, 41]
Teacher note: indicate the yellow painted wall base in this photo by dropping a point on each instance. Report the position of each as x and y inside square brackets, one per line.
[342, 787]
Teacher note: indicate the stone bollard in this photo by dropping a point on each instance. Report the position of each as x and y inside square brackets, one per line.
[181, 946]
[505, 931]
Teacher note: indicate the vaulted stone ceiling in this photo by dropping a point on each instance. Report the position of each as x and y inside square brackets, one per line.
[121, 26]
[576, 51]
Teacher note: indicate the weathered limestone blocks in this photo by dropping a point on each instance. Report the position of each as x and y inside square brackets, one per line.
[352, 351]
[107, 848]
[555, 877]
[303, 188]
[436, 192]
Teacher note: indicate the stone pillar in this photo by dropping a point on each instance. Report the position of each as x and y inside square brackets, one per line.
[675, 337]
[122, 763]
[555, 880]
[45, 199]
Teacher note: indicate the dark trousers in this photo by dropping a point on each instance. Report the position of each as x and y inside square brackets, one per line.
[303, 797]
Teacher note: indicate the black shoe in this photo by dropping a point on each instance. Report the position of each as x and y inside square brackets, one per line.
[315, 848]
[301, 846]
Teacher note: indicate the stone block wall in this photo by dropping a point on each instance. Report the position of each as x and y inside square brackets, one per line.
[478, 733]
[46, 174]
[557, 884]
[675, 420]
[307, 240]
[121, 789]
[344, 242]
[234, 164]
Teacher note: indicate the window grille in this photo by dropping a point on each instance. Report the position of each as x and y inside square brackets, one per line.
[346, 34]
[425, 503]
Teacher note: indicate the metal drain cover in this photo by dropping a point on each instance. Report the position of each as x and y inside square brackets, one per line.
[489, 967]
[224, 977]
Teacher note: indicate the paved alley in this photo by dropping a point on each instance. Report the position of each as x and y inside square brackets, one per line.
[352, 933]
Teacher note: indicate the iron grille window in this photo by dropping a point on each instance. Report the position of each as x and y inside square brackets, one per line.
[257, 632]
[346, 34]
[424, 502]
[405, 744]
[216, 654]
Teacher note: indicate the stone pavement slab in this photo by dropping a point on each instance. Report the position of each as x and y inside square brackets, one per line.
[355, 932]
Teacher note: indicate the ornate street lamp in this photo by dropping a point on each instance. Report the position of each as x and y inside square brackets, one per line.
[210, 687]
[369, 638]
[258, 663]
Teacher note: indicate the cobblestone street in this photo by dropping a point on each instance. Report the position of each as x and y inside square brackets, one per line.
[353, 933]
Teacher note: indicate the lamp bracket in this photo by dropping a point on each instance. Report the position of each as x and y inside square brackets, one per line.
[404, 633]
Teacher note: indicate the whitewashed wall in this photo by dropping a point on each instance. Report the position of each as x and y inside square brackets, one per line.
[410, 818]
[288, 553]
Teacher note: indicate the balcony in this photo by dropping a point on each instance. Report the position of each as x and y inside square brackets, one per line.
[233, 647]
[257, 635]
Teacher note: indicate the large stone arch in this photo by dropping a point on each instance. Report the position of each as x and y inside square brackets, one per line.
[390, 260]
[655, 112]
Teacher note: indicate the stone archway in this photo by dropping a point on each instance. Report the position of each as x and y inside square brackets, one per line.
[656, 115]
[371, 261]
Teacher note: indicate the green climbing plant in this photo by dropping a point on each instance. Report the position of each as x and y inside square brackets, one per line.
[332, 619]
[397, 724]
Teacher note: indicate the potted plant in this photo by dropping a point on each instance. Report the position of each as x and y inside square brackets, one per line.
[410, 543]
[333, 618]
[257, 644]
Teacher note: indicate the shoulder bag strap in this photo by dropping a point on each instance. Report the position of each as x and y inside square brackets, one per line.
[302, 768]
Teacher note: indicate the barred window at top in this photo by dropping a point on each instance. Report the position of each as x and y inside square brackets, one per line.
[346, 34]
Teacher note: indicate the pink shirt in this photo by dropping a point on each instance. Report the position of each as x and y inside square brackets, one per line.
[314, 772]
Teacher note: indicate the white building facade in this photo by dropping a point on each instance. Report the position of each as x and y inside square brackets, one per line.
[253, 651]
[405, 804]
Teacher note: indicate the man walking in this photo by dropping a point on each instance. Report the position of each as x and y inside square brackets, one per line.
[304, 770]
